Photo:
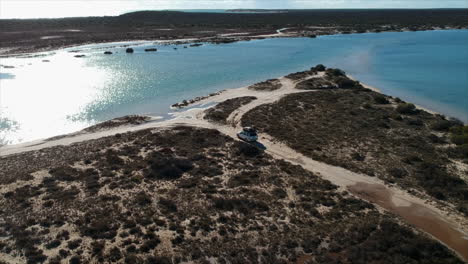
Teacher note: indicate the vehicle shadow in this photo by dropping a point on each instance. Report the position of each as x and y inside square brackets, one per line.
[258, 145]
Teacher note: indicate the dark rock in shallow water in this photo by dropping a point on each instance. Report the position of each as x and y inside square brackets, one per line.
[108, 52]
[224, 40]
[79, 56]
[196, 45]
[152, 49]
[129, 50]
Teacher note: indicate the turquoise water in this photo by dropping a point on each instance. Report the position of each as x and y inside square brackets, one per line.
[42, 99]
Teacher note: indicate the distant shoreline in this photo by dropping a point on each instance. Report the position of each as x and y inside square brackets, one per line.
[234, 37]
[36, 35]
[259, 11]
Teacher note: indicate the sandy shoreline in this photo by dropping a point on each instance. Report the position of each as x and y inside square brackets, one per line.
[375, 89]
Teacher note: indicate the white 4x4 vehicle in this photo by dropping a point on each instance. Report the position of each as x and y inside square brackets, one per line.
[248, 134]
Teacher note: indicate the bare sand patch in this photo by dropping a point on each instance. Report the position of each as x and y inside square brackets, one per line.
[418, 215]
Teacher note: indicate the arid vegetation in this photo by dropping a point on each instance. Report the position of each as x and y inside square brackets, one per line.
[187, 194]
[268, 85]
[121, 121]
[220, 112]
[368, 132]
[315, 83]
[459, 137]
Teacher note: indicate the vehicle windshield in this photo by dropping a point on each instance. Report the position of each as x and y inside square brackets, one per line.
[251, 133]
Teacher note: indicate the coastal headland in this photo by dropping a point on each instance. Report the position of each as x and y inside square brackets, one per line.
[340, 173]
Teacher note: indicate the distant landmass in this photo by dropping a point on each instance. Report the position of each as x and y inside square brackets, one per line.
[33, 35]
[269, 11]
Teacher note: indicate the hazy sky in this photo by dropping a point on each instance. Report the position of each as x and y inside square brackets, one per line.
[67, 8]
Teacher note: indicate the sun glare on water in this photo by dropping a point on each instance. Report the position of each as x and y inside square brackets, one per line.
[56, 88]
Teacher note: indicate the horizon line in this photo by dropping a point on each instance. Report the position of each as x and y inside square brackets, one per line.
[227, 9]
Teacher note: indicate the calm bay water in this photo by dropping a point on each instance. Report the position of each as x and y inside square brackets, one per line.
[57, 93]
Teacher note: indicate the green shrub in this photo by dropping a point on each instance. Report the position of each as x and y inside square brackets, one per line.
[98, 247]
[159, 260]
[75, 260]
[114, 254]
[436, 139]
[459, 133]
[113, 158]
[454, 125]
[335, 72]
[168, 205]
[406, 108]
[221, 111]
[357, 156]
[150, 244]
[396, 117]
[53, 244]
[458, 123]
[459, 130]
[319, 68]
[415, 122]
[100, 228]
[169, 168]
[411, 159]
[63, 253]
[35, 255]
[344, 82]
[463, 208]
[397, 172]
[459, 139]
[74, 244]
[367, 106]
[380, 99]
[460, 151]
[441, 125]
[143, 199]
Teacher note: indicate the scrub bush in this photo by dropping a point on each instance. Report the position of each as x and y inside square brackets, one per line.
[381, 99]
[406, 108]
[319, 68]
